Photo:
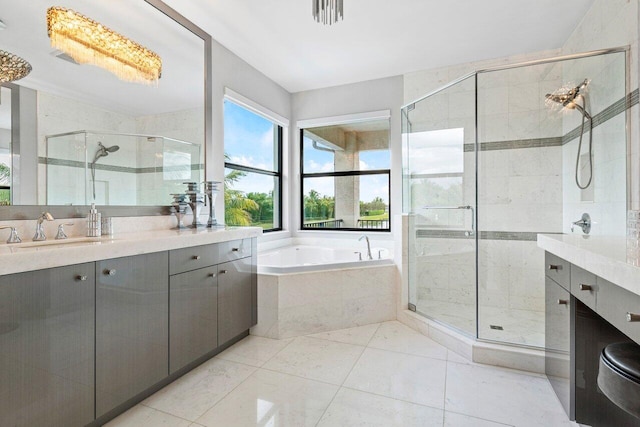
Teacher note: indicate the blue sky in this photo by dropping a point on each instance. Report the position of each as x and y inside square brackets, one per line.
[248, 140]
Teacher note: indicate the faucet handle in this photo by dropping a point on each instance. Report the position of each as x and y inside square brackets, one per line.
[61, 234]
[359, 255]
[13, 235]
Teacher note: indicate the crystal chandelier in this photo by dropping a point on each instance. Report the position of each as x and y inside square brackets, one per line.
[12, 67]
[89, 42]
[328, 11]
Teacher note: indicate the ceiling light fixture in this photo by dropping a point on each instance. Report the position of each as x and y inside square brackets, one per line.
[12, 67]
[328, 11]
[89, 42]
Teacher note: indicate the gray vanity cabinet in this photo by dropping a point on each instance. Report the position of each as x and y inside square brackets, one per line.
[132, 327]
[234, 298]
[193, 305]
[47, 347]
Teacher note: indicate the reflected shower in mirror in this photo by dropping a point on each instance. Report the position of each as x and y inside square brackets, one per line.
[69, 117]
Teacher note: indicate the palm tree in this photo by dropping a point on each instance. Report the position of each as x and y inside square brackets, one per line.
[236, 205]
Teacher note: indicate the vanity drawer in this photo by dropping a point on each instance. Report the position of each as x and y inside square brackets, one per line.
[584, 286]
[235, 249]
[614, 303]
[557, 269]
[193, 258]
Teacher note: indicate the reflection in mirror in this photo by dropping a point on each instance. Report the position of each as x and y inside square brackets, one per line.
[159, 129]
[5, 146]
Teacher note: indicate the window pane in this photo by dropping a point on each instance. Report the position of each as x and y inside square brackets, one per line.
[346, 147]
[347, 202]
[249, 139]
[251, 199]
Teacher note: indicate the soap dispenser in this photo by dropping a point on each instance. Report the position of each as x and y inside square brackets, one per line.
[94, 224]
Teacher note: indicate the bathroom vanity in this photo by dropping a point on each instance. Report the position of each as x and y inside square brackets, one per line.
[592, 295]
[90, 328]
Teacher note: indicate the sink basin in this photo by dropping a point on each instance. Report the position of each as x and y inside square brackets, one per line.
[53, 244]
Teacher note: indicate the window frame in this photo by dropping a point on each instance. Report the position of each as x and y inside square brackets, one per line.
[277, 173]
[334, 174]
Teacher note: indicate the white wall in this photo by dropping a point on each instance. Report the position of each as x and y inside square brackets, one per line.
[363, 97]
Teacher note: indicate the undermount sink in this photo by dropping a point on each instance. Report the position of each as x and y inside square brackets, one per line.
[53, 244]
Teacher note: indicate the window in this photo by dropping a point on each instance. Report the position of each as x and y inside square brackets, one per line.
[253, 169]
[346, 176]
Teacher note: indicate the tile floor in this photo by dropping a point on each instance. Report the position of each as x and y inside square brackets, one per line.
[376, 375]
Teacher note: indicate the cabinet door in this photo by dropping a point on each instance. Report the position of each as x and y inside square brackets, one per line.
[132, 327]
[558, 341]
[193, 316]
[47, 347]
[234, 298]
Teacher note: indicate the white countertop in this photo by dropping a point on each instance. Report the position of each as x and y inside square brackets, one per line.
[604, 256]
[15, 258]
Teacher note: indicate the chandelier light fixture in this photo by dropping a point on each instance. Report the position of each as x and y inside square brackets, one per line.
[12, 67]
[328, 11]
[89, 42]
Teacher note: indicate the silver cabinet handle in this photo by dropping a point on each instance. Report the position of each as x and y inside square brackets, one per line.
[584, 287]
[223, 271]
[563, 302]
[196, 257]
[212, 274]
[81, 278]
[632, 317]
[110, 272]
[555, 267]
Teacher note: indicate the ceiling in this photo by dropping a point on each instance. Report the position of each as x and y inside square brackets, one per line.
[379, 38]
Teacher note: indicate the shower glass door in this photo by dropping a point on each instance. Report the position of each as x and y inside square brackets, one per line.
[440, 195]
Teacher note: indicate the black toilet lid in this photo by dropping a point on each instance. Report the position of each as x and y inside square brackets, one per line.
[625, 356]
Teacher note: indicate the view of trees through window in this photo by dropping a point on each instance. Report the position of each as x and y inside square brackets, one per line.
[252, 182]
[346, 176]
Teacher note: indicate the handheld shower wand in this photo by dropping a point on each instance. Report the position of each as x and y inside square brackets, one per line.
[569, 99]
[102, 152]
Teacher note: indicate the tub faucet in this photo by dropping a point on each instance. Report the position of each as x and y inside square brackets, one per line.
[369, 256]
[40, 236]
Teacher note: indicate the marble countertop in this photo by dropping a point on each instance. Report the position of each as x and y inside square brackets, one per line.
[604, 256]
[27, 256]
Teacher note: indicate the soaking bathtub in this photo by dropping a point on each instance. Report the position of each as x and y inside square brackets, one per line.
[307, 289]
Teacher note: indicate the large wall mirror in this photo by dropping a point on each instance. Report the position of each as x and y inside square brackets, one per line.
[73, 134]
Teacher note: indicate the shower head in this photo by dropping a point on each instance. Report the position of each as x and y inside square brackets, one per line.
[104, 151]
[565, 96]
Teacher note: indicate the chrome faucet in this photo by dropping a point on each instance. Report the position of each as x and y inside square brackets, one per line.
[584, 223]
[369, 256]
[40, 236]
[13, 235]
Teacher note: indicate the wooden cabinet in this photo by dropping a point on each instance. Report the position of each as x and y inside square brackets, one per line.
[47, 347]
[193, 316]
[132, 327]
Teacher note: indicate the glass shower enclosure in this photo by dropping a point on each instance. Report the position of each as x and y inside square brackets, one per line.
[491, 160]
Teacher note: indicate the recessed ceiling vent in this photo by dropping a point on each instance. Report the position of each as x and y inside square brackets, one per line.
[61, 55]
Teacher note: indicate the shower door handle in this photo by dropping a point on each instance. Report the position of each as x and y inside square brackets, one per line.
[467, 233]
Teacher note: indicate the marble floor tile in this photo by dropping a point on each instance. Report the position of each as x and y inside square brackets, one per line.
[193, 394]
[394, 336]
[454, 357]
[254, 351]
[451, 419]
[355, 408]
[360, 335]
[142, 416]
[400, 376]
[316, 359]
[270, 398]
[503, 396]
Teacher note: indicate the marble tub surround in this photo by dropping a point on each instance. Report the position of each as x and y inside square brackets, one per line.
[297, 304]
[382, 374]
[16, 259]
[604, 256]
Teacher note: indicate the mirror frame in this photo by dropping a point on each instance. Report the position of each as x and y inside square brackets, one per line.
[26, 212]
